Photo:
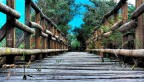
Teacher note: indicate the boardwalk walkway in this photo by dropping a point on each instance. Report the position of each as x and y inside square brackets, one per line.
[74, 67]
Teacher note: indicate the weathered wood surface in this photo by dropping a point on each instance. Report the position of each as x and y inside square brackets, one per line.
[74, 67]
[9, 11]
[139, 11]
[115, 10]
[116, 25]
[125, 52]
[128, 25]
[20, 52]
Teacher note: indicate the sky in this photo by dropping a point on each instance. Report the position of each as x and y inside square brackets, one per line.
[75, 22]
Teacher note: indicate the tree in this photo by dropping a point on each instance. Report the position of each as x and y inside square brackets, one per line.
[59, 11]
[92, 19]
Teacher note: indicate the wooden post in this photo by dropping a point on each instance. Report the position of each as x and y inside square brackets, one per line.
[125, 12]
[49, 38]
[116, 17]
[125, 17]
[27, 36]
[57, 40]
[37, 36]
[53, 46]
[10, 36]
[44, 39]
[139, 32]
[125, 39]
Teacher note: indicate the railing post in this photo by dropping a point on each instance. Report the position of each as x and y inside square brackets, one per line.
[37, 36]
[116, 17]
[125, 17]
[57, 40]
[53, 42]
[44, 39]
[139, 33]
[106, 22]
[27, 36]
[10, 35]
[49, 37]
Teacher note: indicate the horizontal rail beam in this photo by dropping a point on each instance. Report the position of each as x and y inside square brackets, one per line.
[117, 25]
[139, 11]
[115, 10]
[44, 34]
[107, 34]
[37, 9]
[125, 52]
[20, 52]
[49, 32]
[9, 11]
[128, 25]
[24, 27]
[36, 25]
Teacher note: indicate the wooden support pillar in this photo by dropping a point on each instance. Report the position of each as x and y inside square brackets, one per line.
[49, 41]
[125, 18]
[27, 36]
[125, 39]
[44, 39]
[116, 17]
[57, 40]
[10, 35]
[53, 42]
[37, 36]
[125, 12]
[139, 32]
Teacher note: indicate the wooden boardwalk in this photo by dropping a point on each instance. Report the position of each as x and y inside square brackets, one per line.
[74, 67]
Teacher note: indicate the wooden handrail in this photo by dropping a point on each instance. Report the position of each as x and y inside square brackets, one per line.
[9, 11]
[115, 10]
[125, 52]
[42, 37]
[138, 12]
[20, 52]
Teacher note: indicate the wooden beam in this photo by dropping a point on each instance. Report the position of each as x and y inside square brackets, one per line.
[9, 10]
[10, 36]
[20, 52]
[27, 36]
[125, 52]
[139, 11]
[117, 25]
[128, 26]
[139, 34]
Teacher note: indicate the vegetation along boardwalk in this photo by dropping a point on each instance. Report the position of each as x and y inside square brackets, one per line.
[74, 66]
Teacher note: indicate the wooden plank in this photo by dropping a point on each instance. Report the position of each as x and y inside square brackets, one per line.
[85, 80]
[75, 70]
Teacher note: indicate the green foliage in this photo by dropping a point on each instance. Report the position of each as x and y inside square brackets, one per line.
[131, 9]
[95, 13]
[74, 43]
[105, 28]
[3, 43]
[59, 11]
[116, 37]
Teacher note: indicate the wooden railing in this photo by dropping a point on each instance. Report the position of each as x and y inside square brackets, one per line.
[123, 26]
[42, 32]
